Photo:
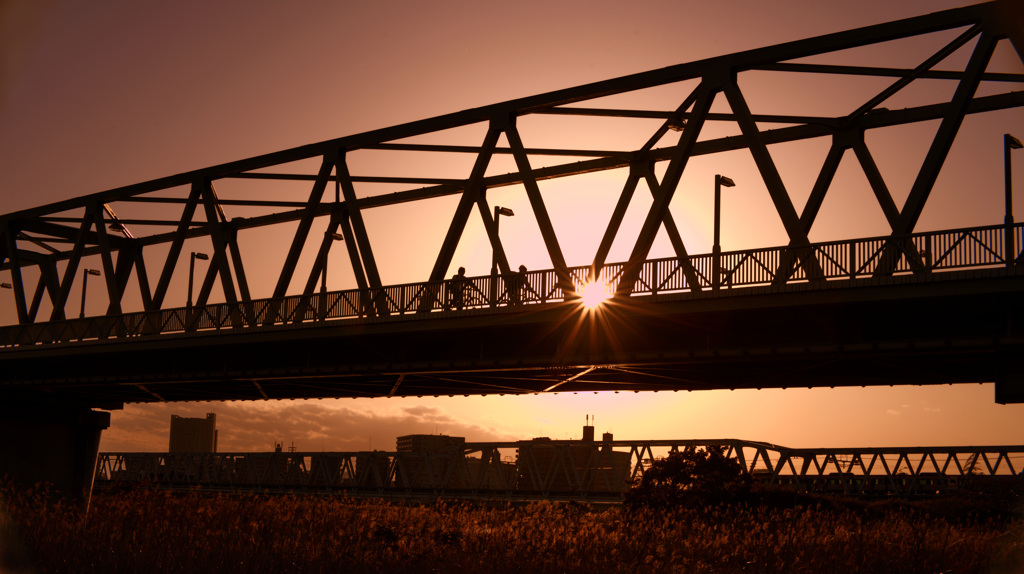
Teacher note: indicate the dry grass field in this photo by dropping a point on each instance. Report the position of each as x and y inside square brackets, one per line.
[156, 531]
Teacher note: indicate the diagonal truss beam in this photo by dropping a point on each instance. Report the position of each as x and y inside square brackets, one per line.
[292, 259]
[354, 225]
[773, 181]
[705, 95]
[540, 212]
[636, 171]
[939, 149]
[177, 241]
[71, 270]
[70, 230]
[673, 234]
[473, 190]
[219, 267]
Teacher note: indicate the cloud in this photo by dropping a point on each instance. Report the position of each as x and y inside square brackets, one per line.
[893, 412]
[426, 412]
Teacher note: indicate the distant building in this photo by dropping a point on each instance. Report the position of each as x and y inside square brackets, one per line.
[424, 463]
[427, 442]
[193, 434]
[572, 466]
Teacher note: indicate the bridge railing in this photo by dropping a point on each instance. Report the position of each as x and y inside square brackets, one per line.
[547, 468]
[919, 254]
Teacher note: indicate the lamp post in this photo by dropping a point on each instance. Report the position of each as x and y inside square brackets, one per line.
[85, 281]
[498, 212]
[323, 275]
[191, 273]
[716, 249]
[1009, 143]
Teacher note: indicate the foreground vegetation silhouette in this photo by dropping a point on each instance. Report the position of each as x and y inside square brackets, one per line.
[145, 530]
[699, 477]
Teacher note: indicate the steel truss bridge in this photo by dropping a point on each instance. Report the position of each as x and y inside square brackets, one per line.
[912, 306]
[548, 469]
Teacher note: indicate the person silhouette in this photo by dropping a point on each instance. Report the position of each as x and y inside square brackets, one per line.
[517, 286]
[457, 289]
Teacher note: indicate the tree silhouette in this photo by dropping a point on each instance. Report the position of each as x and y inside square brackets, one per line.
[704, 477]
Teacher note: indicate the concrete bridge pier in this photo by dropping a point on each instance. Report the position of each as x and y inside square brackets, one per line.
[55, 445]
[1010, 388]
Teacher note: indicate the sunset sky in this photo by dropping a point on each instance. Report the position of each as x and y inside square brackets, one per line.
[99, 95]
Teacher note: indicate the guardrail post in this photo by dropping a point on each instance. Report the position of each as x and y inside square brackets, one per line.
[1008, 233]
[853, 260]
[716, 268]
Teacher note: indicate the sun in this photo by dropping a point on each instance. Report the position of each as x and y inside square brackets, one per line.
[593, 294]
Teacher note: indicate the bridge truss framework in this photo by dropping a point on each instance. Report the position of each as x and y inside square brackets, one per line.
[54, 239]
[562, 470]
[136, 230]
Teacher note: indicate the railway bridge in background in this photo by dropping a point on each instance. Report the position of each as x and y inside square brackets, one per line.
[913, 306]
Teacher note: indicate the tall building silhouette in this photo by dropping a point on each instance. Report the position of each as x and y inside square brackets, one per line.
[193, 434]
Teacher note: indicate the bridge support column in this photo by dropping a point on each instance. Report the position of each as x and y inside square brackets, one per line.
[1010, 389]
[56, 445]
[1010, 379]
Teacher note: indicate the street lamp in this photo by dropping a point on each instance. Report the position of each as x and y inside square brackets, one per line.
[323, 275]
[5, 286]
[1009, 142]
[716, 249]
[85, 281]
[498, 212]
[191, 272]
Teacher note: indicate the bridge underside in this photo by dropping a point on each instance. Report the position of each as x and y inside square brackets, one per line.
[951, 330]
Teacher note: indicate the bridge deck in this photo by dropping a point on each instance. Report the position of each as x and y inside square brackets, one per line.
[949, 314]
[919, 258]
